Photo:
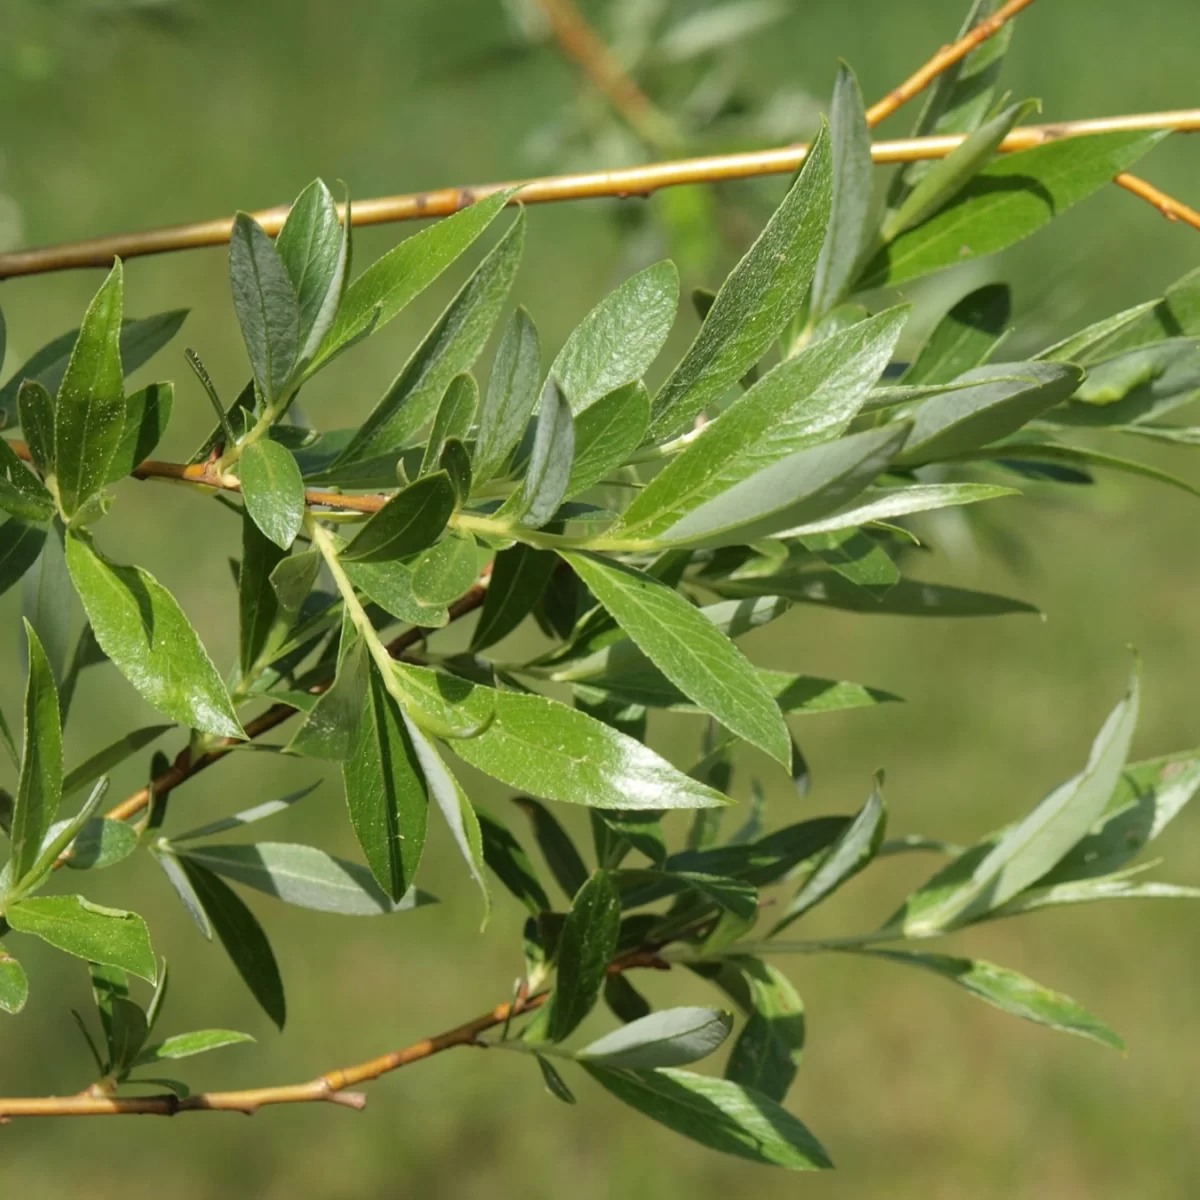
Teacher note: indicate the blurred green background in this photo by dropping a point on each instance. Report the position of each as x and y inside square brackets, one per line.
[916, 1090]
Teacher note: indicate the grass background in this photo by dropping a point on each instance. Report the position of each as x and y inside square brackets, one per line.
[915, 1089]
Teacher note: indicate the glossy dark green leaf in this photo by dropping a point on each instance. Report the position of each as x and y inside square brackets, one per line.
[258, 605]
[303, 876]
[586, 946]
[511, 394]
[390, 585]
[315, 251]
[717, 1113]
[453, 419]
[411, 520]
[756, 301]
[850, 854]
[141, 628]
[266, 305]
[329, 729]
[853, 173]
[555, 1084]
[769, 1047]
[965, 337]
[625, 1001]
[669, 1038]
[451, 348]
[446, 570]
[20, 545]
[615, 344]
[686, 646]
[386, 791]
[1007, 201]
[551, 459]
[273, 490]
[564, 861]
[37, 417]
[510, 864]
[392, 281]
[147, 414]
[76, 926]
[1010, 992]
[243, 938]
[606, 434]
[89, 418]
[39, 788]
[519, 576]
[14, 986]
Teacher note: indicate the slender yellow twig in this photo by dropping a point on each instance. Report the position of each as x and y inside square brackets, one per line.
[1172, 209]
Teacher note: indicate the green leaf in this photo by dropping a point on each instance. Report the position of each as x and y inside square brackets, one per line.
[411, 520]
[512, 392]
[606, 434]
[1030, 849]
[850, 854]
[961, 421]
[242, 936]
[1007, 201]
[172, 868]
[794, 491]
[453, 419]
[946, 178]
[89, 418]
[853, 172]
[856, 557]
[14, 986]
[452, 346]
[1022, 449]
[187, 1045]
[556, 846]
[965, 337]
[734, 895]
[315, 251]
[768, 1050]
[615, 344]
[37, 416]
[392, 281]
[684, 644]
[47, 604]
[519, 576]
[124, 1022]
[585, 948]
[303, 876]
[101, 843]
[625, 1001]
[551, 459]
[147, 414]
[249, 816]
[717, 1113]
[273, 490]
[266, 305]
[642, 830]
[390, 585]
[20, 545]
[102, 935]
[1080, 346]
[258, 604]
[111, 756]
[508, 860]
[669, 1038]
[756, 301]
[554, 1082]
[445, 570]
[386, 791]
[22, 494]
[884, 504]
[1088, 891]
[329, 729]
[39, 789]
[140, 626]
[1010, 992]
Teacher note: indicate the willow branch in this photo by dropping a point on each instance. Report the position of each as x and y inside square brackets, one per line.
[943, 60]
[332, 1087]
[623, 183]
[1172, 209]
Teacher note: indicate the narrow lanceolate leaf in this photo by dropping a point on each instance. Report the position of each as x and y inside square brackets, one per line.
[883, 504]
[90, 413]
[188, 1045]
[47, 603]
[111, 756]
[511, 394]
[617, 341]
[963, 420]
[510, 864]
[451, 348]
[243, 938]
[141, 628]
[273, 490]
[670, 1038]
[329, 729]
[37, 418]
[453, 419]
[14, 986]
[315, 251]
[1007, 201]
[1037, 844]
[685, 645]
[519, 576]
[39, 789]
[181, 884]
[258, 605]
[853, 173]
[964, 338]
[762, 293]
[266, 305]
[564, 861]
[147, 414]
[1080, 347]
[386, 791]
[852, 851]
[769, 1048]
[586, 946]
[411, 520]
[555, 1084]
[20, 544]
[551, 459]
[390, 282]
[794, 491]
[302, 875]
[76, 926]
[1089, 891]
[810, 398]
[1011, 993]
[717, 1113]
[855, 556]
[542, 747]
[606, 435]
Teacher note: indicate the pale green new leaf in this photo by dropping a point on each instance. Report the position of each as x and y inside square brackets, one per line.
[14, 986]
[187, 1045]
[76, 926]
